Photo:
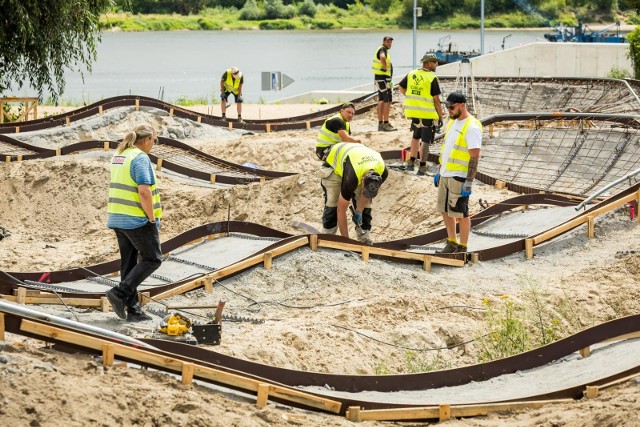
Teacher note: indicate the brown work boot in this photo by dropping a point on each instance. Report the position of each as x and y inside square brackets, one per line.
[409, 165]
[422, 170]
[388, 127]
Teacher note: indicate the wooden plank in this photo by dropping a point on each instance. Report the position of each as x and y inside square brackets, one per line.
[108, 355]
[528, 248]
[474, 258]
[100, 110]
[137, 104]
[629, 336]
[172, 364]
[268, 127]
[390, 253]
[187, 373]
[585, 352]
[619, 381]
[78, 302]
[159, 164]
[105, 146]
[444, 412]
[199, 119]
[582, 219]
[268, 258]
[212, 178]
[263, 395]
[365, 254]
[500, 185]
[21, 295]
[104, 304]
[591, 227]
[313, 242]
[208, 285]
[433, 412]
[353, 414]
[170, 112]
[591, 392]
[426, 264]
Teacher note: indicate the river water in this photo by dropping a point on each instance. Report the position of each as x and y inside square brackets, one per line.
[172, 64]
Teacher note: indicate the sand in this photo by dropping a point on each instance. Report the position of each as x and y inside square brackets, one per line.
[323, 311]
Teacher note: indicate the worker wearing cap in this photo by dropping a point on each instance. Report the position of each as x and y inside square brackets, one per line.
[459, 157]
[383, 71]
[422, 105]
[231, 83]
[336, 128]
[351, 172]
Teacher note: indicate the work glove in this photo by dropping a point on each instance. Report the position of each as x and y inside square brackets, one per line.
[436, 179]
[466, 188]
[357, 218]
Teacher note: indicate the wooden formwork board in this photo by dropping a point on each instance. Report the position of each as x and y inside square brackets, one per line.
[168, 363]
[443, 412]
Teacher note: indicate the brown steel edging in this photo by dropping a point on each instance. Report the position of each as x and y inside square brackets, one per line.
[10, 280]
[386, 383]
[296, 122]
[255, 174]
[419, 381]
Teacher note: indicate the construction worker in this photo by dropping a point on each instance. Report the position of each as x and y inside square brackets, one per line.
[231, 83]
[459, 157]
[422, 105]
[336, 128]
[383, 71]
[134, 215]
[350, 173]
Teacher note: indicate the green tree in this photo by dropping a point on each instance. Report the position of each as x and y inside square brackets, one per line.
[38, 40]
[634, 50]
[251, 11]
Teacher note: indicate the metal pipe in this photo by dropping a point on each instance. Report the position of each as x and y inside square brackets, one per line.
[606, 187]
[11, 308]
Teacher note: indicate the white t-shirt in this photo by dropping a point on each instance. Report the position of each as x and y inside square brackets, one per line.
[474, 140]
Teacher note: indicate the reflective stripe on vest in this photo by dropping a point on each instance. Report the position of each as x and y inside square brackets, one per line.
[231, 84]
[459, 158]
[362, 158]
[123, 190]
[376, 68]
[418, 102]
[327, 138]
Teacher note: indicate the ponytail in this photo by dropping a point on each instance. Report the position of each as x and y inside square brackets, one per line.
[138, 133]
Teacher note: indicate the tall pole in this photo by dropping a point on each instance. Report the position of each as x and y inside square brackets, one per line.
[481, 27]
[415, 25]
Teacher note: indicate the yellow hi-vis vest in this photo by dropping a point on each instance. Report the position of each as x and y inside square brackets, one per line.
[123, 190]
[231, 85]
[418, 102]
[327, 138]
[459, 158]
[362, 158]
[376, 68]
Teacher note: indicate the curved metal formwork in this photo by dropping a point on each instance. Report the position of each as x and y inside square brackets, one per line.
[305, 121]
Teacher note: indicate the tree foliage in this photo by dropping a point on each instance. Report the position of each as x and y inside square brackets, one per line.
[634, 51]
[39, 39]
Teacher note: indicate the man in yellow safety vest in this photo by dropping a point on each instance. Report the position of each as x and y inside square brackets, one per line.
[231, 83]
[336, 128]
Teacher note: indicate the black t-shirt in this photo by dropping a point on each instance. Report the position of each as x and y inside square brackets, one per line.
[350, 180]
[435, 85]
[335, 124]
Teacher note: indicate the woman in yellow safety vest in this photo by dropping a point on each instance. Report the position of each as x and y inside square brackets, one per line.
[134, 215]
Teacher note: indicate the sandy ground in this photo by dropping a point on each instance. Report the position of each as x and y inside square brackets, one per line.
[323, 311]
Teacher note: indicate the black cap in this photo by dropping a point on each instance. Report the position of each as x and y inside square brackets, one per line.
[371, 182]
[387, 38]
[456, 98]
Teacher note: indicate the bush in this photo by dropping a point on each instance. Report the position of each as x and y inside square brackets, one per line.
[275, 9]
[208, 24]
[618, 73]
[319, 24]
[277, 25]
[251, 11]
[308, 8]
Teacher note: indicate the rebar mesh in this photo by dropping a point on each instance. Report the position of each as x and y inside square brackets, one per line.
[510, 95]
[194, 161]
[565, 156]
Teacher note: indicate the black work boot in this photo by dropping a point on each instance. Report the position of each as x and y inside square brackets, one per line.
[117, 303]
[136, 314]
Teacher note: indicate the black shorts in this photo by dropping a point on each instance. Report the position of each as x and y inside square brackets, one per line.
[385, 88]
[237, 98]
[423, 129]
